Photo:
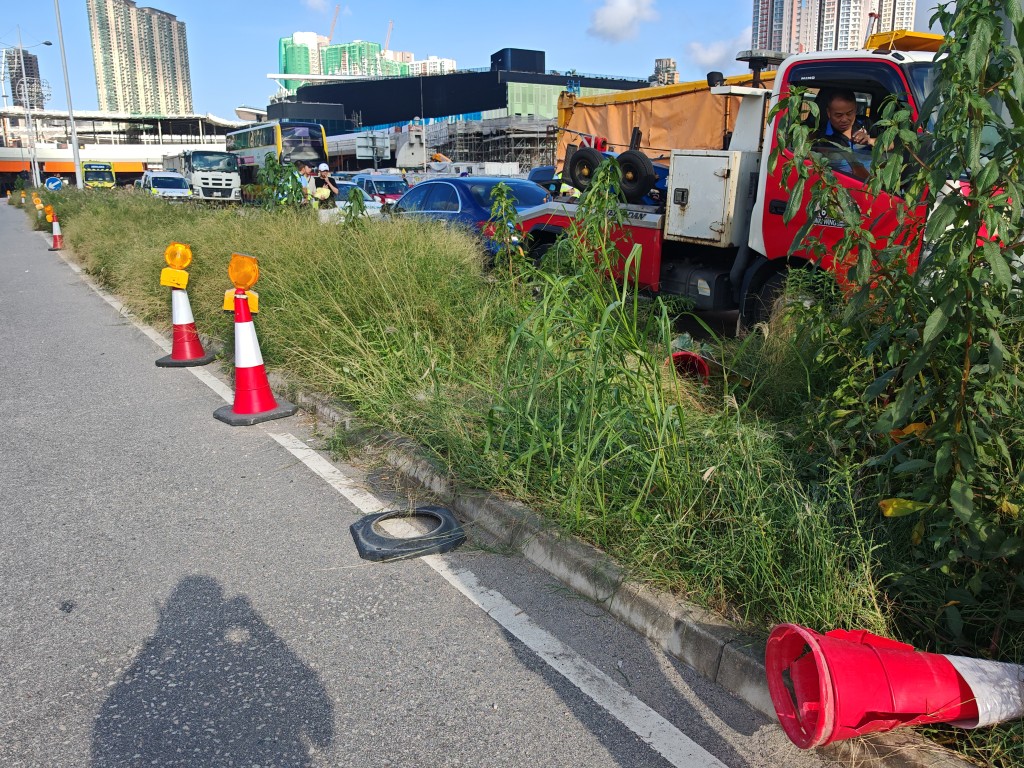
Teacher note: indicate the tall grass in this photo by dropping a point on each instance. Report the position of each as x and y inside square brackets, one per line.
[551, 386]
[553, 389]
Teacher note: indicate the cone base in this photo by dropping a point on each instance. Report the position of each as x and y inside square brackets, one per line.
[169, 362]
[226, 413]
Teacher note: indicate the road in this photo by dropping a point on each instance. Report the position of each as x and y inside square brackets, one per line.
[178, 592]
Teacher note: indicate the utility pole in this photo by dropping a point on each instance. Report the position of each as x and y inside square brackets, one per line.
[23, 86]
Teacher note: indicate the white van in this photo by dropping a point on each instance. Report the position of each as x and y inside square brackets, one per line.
[166, 184]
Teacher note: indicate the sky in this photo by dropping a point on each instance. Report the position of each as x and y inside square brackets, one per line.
[233, 43]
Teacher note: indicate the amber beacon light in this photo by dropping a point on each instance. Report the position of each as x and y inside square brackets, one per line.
[186, 347]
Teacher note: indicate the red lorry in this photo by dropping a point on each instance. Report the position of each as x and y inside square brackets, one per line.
[719, 237]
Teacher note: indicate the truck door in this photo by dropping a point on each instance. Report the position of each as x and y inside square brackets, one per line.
[871, 83]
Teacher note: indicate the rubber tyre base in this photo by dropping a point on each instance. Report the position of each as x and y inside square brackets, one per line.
[168, 362]
[227, 414]
[379, 547]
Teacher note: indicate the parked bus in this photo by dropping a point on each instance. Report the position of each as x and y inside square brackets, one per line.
[211, 175]
[288, 140]
[98, 176]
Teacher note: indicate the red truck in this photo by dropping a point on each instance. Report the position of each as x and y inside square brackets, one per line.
[718, 238]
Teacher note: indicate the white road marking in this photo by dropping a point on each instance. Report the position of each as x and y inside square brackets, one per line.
[653, 729]
[650, 727]
[218, 386]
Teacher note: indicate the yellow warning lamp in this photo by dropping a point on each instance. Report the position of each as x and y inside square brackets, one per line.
[178, 257]
[244, 271]
[48, 210]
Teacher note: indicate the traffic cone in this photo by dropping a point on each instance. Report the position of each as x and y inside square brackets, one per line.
[254, 402]
[58, 238]
[844, 684]
[186, 348]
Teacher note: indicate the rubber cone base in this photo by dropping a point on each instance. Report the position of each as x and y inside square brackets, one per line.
[226, 413]
[169, 362]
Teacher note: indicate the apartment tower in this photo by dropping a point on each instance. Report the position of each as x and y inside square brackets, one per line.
[141, 59]
[794, 26]
[25, 85]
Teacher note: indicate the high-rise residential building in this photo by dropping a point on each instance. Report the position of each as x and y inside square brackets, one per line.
[25, 85]
[141, 59]
[794, 26]
[307, 53]
[665, 72]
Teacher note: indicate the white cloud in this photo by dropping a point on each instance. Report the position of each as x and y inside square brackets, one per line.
[719, 55]
[619, 20]
[315, 5]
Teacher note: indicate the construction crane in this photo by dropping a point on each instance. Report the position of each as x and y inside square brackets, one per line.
[330, 35]
[387, 39]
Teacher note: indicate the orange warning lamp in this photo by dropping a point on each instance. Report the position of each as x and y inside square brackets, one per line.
[244, 271]
[178, 257]
[48, 210]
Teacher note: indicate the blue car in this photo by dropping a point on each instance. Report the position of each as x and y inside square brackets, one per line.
[466, 201]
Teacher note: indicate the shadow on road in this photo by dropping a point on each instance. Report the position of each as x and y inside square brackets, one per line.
[214, 686]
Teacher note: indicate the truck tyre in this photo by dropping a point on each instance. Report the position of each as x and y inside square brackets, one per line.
[759, 304]
[638, 176]
[581, 166]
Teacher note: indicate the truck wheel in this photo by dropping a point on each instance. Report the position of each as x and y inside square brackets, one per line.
[638, 175]
[759, 305]
[581, 166]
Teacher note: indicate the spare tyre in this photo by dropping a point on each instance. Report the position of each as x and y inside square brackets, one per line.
[638, 176]
[582, 165]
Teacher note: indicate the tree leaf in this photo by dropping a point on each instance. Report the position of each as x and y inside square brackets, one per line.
[901, 507]
[1000, 269]
[936, 321]
[961, 498]
[913, 465]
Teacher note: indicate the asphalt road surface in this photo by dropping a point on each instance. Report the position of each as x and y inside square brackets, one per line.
[178, 592]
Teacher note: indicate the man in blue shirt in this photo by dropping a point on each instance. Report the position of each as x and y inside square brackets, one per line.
[844, 132]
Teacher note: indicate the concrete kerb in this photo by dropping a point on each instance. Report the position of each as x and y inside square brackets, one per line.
[704, 641]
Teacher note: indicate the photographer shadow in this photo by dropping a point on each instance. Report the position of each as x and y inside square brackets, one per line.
[213, 686]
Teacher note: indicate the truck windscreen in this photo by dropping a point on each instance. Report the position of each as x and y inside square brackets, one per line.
[921, 75]
[214, 161]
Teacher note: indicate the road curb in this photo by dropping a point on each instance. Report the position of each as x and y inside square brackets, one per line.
[706, 642]
[709, 644]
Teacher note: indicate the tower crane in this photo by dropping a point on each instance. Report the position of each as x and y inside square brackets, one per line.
[330, 35]
[387, 39]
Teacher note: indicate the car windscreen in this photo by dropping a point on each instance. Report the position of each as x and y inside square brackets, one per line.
[169, 182]
[390, 187]
[99, 176]
[345, 189]
[525, 194]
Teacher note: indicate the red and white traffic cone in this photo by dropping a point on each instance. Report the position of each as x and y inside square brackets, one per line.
[254, 402]
[58, 238]
[843, 684]
[186, 348]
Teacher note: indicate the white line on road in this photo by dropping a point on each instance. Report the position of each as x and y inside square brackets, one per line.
[653, 729]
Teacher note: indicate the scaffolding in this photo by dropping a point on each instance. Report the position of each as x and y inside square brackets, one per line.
[528, 141]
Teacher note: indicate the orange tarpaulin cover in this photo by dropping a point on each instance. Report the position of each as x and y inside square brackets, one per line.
[58, 166]
[682, 116]
[128, 168]
[13, 166]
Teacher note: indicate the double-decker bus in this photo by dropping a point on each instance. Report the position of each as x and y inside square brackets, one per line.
[211, 175]
[288, 140]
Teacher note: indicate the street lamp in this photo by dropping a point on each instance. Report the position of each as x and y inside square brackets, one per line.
[28, 112]
[67, 91]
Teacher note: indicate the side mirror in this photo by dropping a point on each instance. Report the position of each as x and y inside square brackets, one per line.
[715, 79]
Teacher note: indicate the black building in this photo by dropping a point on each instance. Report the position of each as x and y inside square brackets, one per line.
[344, 106]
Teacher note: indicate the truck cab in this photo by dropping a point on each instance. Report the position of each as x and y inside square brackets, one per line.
[718, 236]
